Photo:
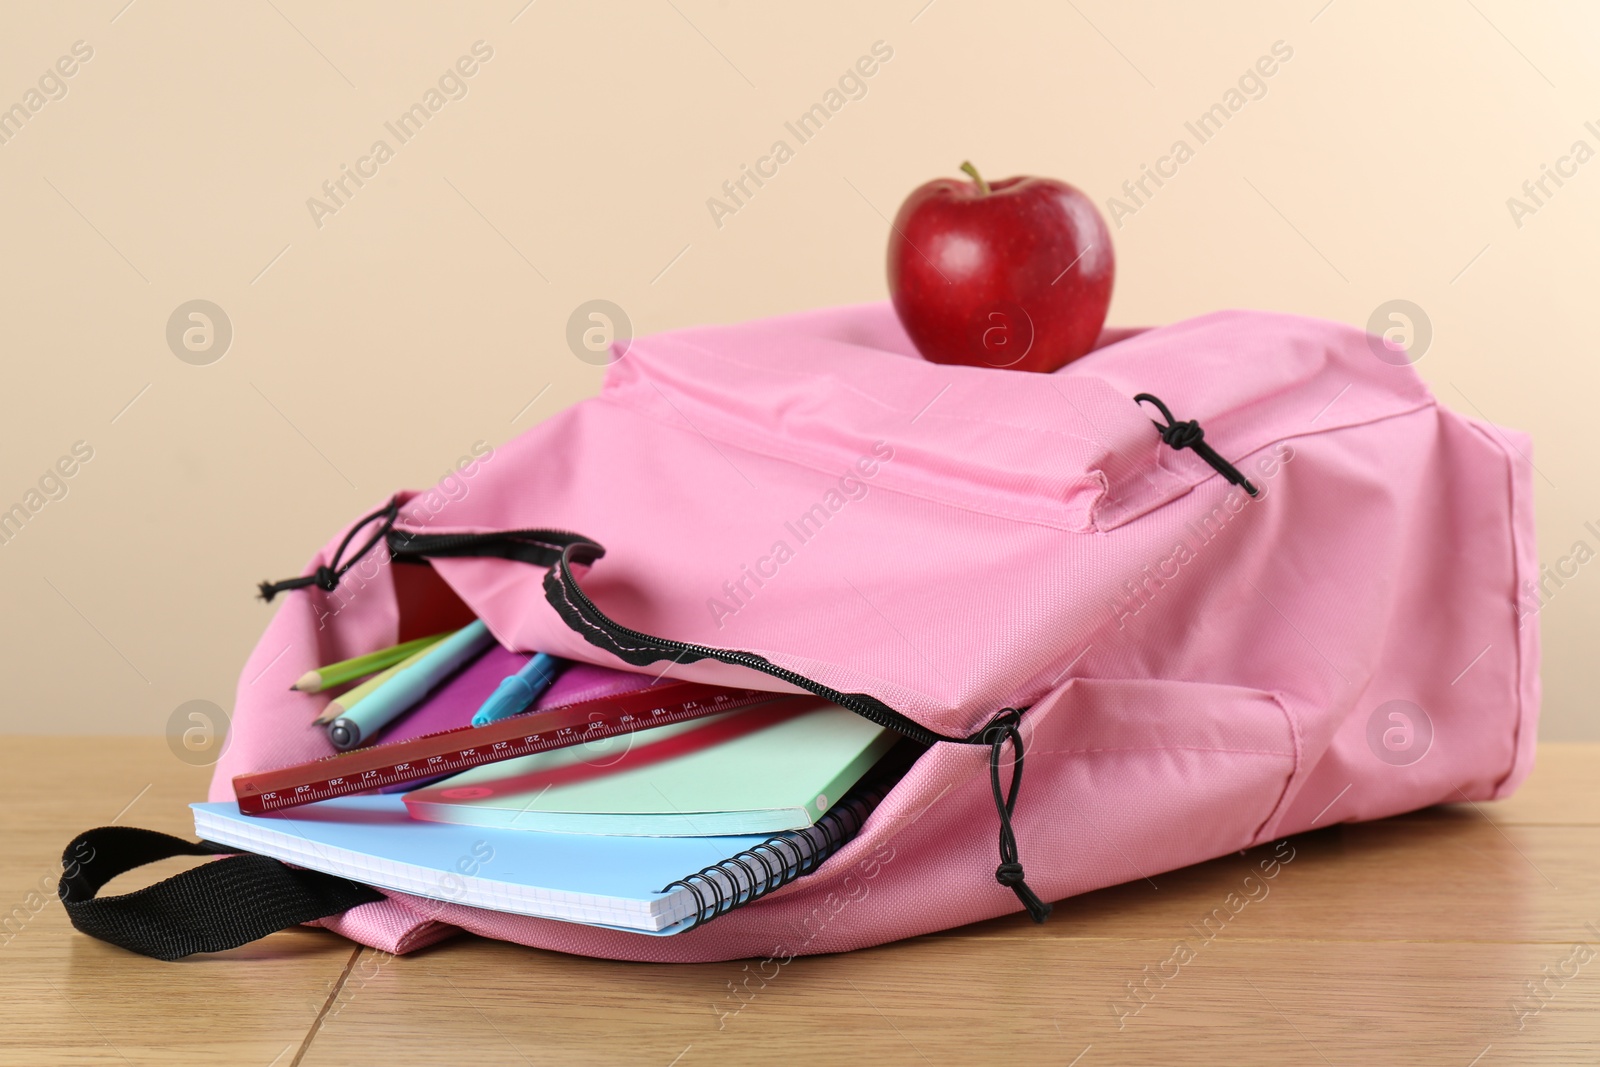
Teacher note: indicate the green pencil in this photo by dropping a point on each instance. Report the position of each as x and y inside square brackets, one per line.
[355, 694]
[349, 670]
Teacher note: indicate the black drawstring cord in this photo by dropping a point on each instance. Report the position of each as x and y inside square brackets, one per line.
[1003, 728]
[328, 577]
[1189, 435]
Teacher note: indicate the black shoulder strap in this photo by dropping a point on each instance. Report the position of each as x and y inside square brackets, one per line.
[209, 908]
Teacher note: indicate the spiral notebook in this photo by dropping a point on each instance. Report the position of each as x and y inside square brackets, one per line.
[651, 885]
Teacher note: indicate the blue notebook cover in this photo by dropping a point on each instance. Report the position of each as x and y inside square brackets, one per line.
[599, 881]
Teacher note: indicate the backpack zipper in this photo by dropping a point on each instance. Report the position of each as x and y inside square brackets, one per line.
[542, 548]
[581, 613]
[558, 550]
[561, 589]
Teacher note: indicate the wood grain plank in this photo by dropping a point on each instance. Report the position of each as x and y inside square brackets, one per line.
[1442, 875]
[934, 1000]
[1411, 940]
[69, 999]
[1560, 791]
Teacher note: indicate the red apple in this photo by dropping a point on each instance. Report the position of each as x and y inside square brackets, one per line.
[1015, 274]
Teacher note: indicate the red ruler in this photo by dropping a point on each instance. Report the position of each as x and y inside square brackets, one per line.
[450, 751]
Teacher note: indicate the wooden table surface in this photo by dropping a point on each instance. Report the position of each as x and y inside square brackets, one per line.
[1408, 941]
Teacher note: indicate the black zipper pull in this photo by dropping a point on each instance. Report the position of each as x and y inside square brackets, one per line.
[1002, 728]
[327, 578]
[1180, 435]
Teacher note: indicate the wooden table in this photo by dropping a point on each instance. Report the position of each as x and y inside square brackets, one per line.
[1409, 941]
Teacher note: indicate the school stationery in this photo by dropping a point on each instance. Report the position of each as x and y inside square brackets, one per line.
[735, 773]
[517, 692]
[326, 677]
[399, 694]
[364, 769]
[655, 885]
[452, 705]
[356, 694]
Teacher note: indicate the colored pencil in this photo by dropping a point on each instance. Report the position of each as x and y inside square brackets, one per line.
[350, 697]
[349, 670]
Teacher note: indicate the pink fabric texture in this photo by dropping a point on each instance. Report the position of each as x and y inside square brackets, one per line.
[1202, 671]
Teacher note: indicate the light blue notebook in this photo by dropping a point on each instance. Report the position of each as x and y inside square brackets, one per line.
[599, 881]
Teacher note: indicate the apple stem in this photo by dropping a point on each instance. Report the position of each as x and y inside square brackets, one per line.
[972, 172]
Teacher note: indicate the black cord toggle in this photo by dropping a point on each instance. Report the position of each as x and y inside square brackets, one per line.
[327, 577]
[1181, 435]
[1005, 727]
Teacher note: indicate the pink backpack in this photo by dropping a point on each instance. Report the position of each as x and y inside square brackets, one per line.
[1140, 633]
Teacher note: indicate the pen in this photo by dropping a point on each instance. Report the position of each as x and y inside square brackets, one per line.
[406, 688]
[351, 697]
[517, 693]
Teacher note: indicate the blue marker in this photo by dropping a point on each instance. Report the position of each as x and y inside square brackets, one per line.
[517, 693]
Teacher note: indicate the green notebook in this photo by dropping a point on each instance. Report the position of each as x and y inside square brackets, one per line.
[754, 771]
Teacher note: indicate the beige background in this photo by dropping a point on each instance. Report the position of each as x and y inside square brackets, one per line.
[431, 309]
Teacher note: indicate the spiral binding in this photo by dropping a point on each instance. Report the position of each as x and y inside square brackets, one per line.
[733, 883]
